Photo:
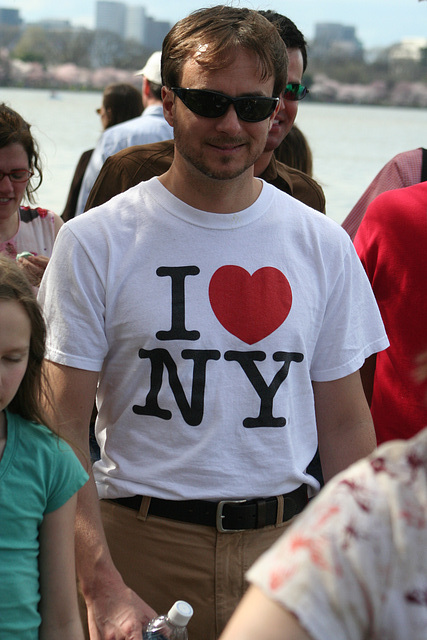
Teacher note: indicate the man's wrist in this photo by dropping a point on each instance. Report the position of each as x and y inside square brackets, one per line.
[99, 576]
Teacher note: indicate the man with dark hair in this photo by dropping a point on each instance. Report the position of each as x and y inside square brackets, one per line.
[296, 47]
[132, 165]
[221, 325]
[150, 126]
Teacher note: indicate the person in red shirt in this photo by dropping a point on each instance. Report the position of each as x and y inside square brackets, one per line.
[392, 245]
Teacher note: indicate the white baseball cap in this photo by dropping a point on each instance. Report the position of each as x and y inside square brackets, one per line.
[152, 70]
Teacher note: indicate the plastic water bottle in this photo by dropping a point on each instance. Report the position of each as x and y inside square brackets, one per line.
[172, 626]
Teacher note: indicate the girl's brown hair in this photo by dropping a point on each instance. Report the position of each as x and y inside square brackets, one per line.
[15, 130]
[15, 286]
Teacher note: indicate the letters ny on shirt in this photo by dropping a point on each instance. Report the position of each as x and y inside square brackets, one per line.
[248, 306]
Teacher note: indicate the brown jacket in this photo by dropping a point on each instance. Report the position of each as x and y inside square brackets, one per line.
[133, 165]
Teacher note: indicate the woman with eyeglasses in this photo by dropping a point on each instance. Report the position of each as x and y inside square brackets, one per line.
[27, 233]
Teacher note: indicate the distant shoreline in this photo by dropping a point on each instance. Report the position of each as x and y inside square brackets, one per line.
[33, 75]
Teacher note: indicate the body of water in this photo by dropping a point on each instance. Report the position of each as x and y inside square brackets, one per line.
[350, 143]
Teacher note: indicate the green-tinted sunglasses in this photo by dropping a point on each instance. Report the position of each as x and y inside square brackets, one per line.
[294, 91]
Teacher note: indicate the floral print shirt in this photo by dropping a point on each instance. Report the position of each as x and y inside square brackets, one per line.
[353, 566]
[36, 233]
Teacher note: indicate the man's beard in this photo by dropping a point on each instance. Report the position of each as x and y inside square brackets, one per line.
[221, 169]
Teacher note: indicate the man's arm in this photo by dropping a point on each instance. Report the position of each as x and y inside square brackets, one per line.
[114, 611]
[259, 617]
[344, 423]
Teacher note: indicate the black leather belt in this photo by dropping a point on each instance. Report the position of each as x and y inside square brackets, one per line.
[227, 515]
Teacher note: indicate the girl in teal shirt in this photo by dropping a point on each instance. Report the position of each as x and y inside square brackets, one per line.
[39, 478]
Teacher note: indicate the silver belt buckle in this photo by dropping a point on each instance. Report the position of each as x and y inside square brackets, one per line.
[220, 516]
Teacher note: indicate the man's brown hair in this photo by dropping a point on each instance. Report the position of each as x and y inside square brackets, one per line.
[214, 34]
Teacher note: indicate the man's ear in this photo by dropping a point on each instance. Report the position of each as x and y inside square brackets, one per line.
[168, 98]
[146, 89]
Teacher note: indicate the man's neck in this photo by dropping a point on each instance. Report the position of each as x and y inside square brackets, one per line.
[207, 194]
[262, 163]
[152, 102]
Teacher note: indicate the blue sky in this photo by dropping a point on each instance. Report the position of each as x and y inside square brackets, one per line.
[378, 22]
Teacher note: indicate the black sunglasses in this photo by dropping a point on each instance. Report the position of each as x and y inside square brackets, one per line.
[211, 104]
[295, 91]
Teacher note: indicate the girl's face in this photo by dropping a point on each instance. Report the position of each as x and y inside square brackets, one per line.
[15, 335]
[12, 157]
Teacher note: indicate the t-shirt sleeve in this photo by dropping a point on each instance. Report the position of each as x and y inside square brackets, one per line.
[352, 327]
[66, 475]
[72, 295]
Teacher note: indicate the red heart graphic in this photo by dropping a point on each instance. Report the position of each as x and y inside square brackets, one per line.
[250, 307]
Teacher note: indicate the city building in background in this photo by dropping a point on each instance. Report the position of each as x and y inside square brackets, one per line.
[50, 24]
[409, 49]
[336, 41]
[10, 17]
[407, 56]
[111, 16]
[61, 54]
[130, 22]
[135, 21]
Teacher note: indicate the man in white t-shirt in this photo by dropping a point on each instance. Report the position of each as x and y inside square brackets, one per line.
[150, 126]
[221, 324]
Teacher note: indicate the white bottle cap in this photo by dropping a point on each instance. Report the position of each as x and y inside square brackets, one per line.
[180, 613]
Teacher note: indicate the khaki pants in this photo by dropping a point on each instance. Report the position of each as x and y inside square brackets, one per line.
[164, 560]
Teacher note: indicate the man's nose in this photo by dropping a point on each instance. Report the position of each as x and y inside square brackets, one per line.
[230, 121]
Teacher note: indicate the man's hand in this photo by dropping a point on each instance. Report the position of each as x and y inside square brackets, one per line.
[117, 613]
